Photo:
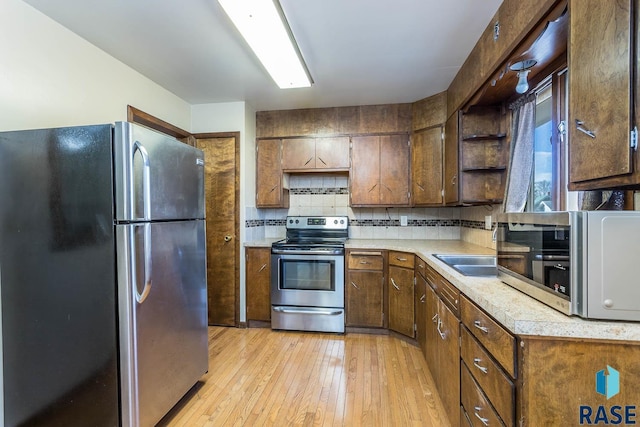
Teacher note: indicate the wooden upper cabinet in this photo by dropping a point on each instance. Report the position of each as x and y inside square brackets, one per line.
[426, 167]
[299, 154]
[380, 170]
[308, 154]
[269, 180]
[450, 163]
[600, 94]
[332, 153]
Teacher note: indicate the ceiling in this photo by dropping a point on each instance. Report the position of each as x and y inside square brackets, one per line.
[359, 52]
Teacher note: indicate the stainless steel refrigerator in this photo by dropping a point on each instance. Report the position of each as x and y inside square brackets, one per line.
[102, 275]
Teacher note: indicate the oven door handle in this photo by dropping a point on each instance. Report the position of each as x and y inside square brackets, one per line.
[303, 311]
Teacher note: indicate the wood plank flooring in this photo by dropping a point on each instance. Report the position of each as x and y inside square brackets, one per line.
[260, 377]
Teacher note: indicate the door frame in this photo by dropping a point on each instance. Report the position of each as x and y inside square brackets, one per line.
[135, 115]
[236, 246]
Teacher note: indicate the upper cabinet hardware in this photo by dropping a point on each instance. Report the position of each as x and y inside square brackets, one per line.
[579, 127]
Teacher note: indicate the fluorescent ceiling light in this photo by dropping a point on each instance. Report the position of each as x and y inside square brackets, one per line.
[264, 27]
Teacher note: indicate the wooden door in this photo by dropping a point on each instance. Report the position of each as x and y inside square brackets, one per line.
[426, 167]
[401, 306]
[394, 170]
[364, 298]
[450, 173]
[365, 170]
[223, 250]
[600, 73]
[258, 278]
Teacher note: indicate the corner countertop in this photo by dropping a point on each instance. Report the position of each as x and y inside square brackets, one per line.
[519, 313]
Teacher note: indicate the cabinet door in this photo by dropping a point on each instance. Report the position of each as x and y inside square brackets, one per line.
[420, 298]
[269, 192]
[394, 170]
[298, 153]
[365, 170]
[401, 305]
[332, 153]
[450, 183]
[364, 298]
[449, 362]
[426, 167]
[600, 73]
[258, 283]
[431, 334]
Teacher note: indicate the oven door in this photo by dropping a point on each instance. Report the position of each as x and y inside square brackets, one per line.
[307, 280]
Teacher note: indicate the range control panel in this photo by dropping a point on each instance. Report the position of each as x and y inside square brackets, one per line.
[318, 222]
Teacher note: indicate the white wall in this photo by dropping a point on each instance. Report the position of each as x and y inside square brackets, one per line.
[234, 117]
[50, 77]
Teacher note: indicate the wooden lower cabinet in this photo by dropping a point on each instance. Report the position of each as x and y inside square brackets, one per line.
[364, 289]
[558, 377]
[420, 301]
[443, 352]
[258, 277]
[364, 298]
[401, 304]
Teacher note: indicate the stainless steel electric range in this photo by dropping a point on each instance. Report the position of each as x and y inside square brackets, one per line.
[307, 275]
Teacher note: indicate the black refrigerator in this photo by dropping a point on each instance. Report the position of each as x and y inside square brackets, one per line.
[102, 275]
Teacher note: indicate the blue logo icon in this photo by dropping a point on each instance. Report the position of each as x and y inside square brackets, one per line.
[608, 383]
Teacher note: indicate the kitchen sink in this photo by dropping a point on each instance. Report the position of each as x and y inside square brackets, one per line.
[471, 265]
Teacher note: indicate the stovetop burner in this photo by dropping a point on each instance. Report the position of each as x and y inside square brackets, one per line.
[314, 234]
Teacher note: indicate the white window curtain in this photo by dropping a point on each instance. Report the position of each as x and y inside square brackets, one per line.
[521, 159]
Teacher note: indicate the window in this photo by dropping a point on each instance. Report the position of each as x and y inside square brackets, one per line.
[548, 188]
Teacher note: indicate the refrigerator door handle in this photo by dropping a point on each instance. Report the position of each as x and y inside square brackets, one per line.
[140, 297]
[146, 181]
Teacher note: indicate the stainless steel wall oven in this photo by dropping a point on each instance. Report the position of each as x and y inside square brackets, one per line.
[307, 275]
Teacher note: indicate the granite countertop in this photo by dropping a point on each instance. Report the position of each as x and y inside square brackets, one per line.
[519, 313]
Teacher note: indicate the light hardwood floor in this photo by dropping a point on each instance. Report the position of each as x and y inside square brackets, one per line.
[259, 377]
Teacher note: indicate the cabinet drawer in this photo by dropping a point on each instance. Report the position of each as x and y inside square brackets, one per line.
[479, 410]
[497, 340]
[362, 260]
[421, 267]
[401, 259]
[445, 290]
[494, 382]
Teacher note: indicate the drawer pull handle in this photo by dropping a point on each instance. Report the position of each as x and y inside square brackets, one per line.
[442, 335]
[393, 282]
[479, 326]
[401, 259]
[354, 285]
[262, 268]
[484, 421]
[364, 262]
[476, 362]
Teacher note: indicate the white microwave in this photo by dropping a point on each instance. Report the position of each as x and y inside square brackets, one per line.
[583, 263]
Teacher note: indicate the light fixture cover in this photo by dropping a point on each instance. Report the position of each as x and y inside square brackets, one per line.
[265, 29]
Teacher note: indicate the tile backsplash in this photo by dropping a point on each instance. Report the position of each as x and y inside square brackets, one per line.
[329, 195]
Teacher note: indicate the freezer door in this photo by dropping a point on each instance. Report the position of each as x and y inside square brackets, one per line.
[156, 177]
[163, 315]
